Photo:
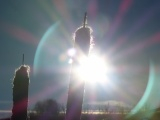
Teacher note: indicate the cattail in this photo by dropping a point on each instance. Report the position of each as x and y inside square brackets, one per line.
[20, 93]
[76, 86]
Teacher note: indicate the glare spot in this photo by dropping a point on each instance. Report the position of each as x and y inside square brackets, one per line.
[70, 61]
[93, 69]
[71, 52]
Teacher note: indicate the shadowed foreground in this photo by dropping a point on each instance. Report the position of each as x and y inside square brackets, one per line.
[108, 116]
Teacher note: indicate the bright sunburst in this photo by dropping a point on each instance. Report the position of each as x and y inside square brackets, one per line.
[93, 69]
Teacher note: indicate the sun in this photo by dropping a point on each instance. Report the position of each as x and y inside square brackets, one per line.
[93, 69]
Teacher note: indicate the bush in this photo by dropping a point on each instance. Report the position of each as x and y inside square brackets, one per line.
[47, 109]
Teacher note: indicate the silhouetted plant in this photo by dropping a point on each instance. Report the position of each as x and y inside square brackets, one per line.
[120, 108]
[62, 108]
[106, 108]
[20, 93]
[47, 109]
[76, 86]
[146, 107]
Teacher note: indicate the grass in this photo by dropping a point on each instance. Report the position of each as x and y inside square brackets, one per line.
[147, 115]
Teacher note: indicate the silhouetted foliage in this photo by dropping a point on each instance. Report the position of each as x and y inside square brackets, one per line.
[76, 87]
[106, 109]
[20, 93]
[62, 108]
[47, 109]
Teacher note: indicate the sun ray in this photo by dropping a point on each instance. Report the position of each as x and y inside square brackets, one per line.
[93, 69]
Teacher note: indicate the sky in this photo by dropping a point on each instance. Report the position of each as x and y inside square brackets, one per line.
[125, 32]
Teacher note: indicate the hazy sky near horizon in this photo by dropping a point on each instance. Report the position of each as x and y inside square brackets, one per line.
[126, 33]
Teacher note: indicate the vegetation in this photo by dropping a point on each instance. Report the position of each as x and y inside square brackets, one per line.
[20, 93]
[47, 109]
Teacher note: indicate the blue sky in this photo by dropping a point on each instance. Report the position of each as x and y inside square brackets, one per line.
[126, 32]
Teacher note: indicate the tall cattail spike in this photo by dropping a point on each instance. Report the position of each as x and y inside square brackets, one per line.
[85, 20]
[23, 60]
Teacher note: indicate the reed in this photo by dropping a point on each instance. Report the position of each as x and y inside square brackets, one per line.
[20, 93]
[82, 42]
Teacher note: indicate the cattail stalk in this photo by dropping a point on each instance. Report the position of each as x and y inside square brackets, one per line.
[76, 85]
[20, 93]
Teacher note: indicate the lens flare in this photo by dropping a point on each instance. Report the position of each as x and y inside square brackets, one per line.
[147, 93]
[93, 69]
[71, 52]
